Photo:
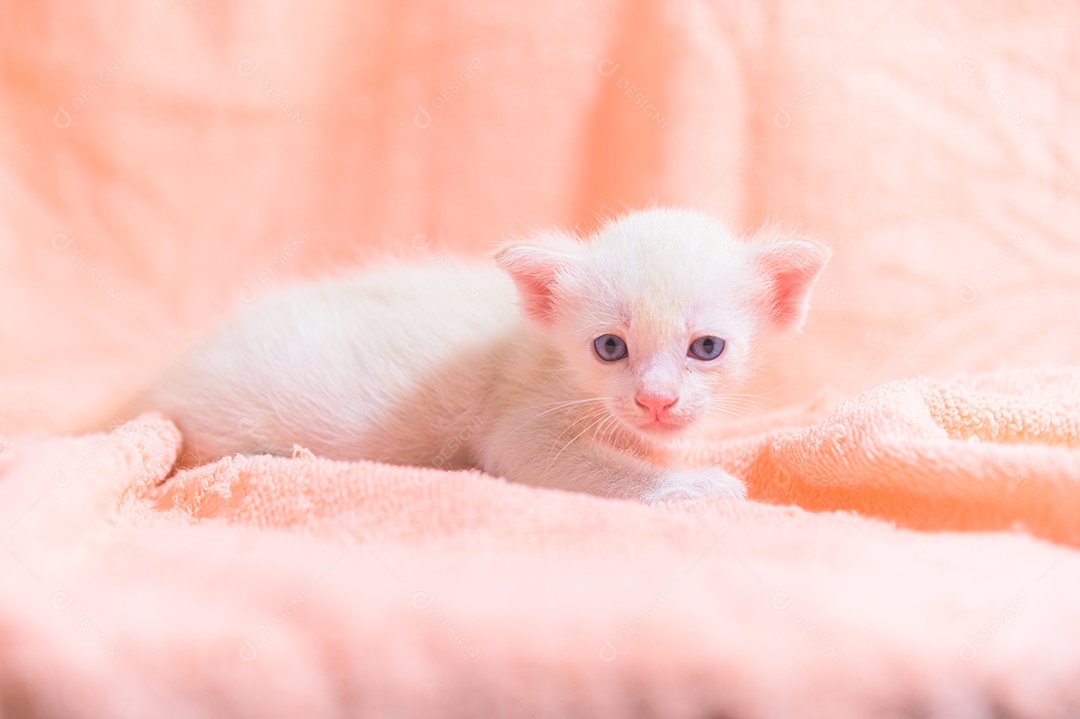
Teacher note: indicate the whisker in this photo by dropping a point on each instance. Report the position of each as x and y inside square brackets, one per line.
[716, 412]
[739, 405]
[575, 438]
[558, 406]
[565, 402]
[612, 429]
[762, 397]
[600, 433]
[748, 401]
[587, 416]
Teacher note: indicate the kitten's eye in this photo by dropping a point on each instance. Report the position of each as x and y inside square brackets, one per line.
[610, 348]
[706, 348]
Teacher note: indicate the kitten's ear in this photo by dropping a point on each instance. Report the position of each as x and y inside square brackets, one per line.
[790, 268]
[535, 271]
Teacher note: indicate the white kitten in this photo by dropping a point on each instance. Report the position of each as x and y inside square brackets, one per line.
[614, 347]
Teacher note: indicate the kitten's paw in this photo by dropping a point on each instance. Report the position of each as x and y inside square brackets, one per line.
[695, 484]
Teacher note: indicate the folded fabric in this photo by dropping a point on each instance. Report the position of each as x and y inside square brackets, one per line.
[304, 587]
[990, 451]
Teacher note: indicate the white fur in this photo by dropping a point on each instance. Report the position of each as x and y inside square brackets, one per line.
[437, 365]
[696, 484]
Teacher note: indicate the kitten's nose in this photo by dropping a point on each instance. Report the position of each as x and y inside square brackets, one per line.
[655, 402]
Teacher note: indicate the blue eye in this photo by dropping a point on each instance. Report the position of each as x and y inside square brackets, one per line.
[706, 348]
[610, 348]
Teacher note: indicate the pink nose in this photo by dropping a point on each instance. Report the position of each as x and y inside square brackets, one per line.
[655, 402]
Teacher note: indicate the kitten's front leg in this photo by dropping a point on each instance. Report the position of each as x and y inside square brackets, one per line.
[589, 466]
[609, 472]
[696, 483]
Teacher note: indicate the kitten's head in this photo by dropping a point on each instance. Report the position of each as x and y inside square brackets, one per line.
[659, 311]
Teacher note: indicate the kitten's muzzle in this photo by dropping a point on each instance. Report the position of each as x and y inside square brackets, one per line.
[659, 413]
[657, 404]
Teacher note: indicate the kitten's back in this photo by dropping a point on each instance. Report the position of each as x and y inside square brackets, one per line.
[366, 366]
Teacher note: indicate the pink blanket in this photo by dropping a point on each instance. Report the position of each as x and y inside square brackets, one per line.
[161, 164]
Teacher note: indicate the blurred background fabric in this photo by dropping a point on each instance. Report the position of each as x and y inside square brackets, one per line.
[162, 162]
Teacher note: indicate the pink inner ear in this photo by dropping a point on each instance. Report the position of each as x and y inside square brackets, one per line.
[790, 269]
[534, 271]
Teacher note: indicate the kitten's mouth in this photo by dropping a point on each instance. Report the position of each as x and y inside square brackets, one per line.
[653, 425]
[663, 425]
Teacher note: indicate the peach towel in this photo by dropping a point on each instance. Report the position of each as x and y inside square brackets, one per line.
[161, 163]
[288, 587]
[983, 452]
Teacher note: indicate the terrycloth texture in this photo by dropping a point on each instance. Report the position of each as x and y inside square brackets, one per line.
[986, 452]
[304, 587]
[161, 163]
